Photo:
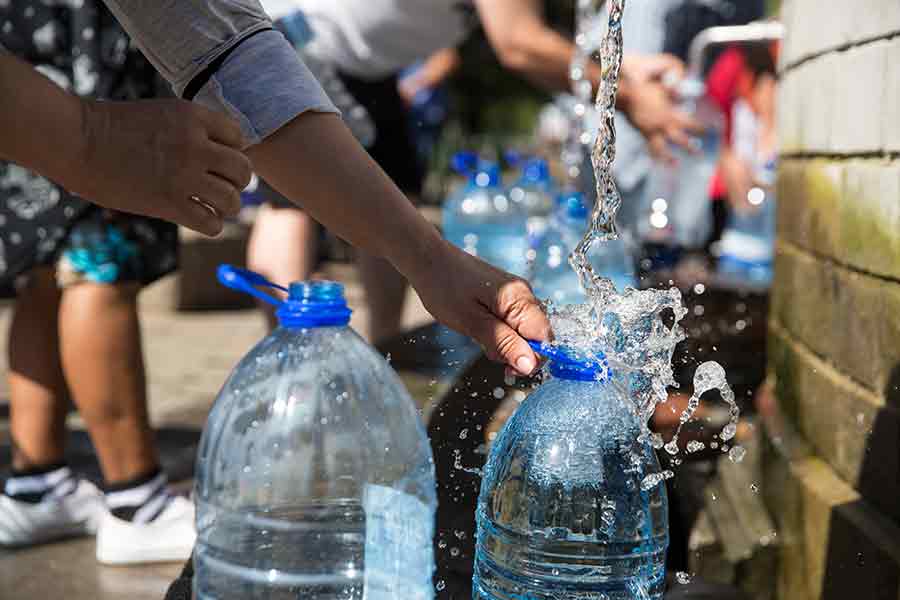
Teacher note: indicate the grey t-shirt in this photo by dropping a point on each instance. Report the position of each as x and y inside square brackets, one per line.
[262, 82]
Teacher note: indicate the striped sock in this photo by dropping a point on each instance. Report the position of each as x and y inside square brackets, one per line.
[40, 483]
[140, 500]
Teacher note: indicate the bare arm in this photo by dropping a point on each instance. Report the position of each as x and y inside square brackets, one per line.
[139, 157]
[308, 154]
[314, 160]
[524, 43]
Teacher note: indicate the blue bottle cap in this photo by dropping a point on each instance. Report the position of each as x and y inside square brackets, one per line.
[565, 363]
[464, 163]
[296, 29]
[310, 304]
[536, 171]
[573, 205]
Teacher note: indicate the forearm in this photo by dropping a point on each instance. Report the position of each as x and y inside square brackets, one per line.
[35, 110]
[315, 162]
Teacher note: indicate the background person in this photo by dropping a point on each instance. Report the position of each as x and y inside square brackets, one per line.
[76, 269]
[369, 42]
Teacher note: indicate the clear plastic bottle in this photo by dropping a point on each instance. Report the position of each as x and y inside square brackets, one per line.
[315, 477]
[551, 275]
[479, 217]
[535, 192]
[747, 247]
[676, 208]
[562, 511]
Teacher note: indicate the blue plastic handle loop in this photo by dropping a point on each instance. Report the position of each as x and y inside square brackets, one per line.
[565, 365]
[243, 280]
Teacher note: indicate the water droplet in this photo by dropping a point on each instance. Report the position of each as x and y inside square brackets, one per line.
[682, 577]
[695, 446]
[454, 551]
[463, 434]
[754, 488]
[499, 393]
[440, 585]
[737, 454]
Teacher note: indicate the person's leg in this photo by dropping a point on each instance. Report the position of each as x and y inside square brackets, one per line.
[38, 396]
[283, 247]
[385, 291]
[42, 499]
[100, 343]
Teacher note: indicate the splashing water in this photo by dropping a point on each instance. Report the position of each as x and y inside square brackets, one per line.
[629, 327]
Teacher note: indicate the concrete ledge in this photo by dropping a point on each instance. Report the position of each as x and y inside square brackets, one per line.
[848, 427]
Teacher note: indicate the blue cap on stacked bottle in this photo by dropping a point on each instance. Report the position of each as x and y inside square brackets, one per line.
[309, 304]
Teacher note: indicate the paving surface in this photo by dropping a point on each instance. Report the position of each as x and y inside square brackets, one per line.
[188, 356]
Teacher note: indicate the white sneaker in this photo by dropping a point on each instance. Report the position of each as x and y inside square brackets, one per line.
[168, 538]
[75, 514]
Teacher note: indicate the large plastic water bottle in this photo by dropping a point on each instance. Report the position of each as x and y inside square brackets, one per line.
[747, 247]
[562, 511]
[551, 275]
[676, 208]
[315, 478]
[480, 218]
[535, 192]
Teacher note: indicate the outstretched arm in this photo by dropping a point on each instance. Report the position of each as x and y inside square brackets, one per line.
[138, 157]
[314, 158]
[222, 54]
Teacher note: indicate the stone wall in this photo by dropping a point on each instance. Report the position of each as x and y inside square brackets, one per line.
[833, 474]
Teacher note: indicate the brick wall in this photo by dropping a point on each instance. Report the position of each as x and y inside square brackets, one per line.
[833, 474]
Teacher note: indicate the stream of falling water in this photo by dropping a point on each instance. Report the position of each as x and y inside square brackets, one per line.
[628, 326]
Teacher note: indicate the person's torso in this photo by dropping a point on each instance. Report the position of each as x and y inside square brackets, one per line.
[371, 39]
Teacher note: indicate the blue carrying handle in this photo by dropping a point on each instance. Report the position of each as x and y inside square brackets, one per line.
[551, 352]
[246, 281]
[566, 366]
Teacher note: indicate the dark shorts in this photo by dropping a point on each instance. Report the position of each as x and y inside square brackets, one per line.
[393, 149]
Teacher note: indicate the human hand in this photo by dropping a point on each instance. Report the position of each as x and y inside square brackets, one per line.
[495, 308]
[409, 88]
[662, 68]
[651, 108]
[169, 159]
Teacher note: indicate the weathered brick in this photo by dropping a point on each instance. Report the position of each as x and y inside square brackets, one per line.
[870, 216]
[857, 116]
[848, 210]
[891, 101]
[851, 429]
[816, 26]
[849, 319]
[809, 194]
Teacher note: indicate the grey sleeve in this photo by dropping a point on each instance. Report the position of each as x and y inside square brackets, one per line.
[262, 81]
